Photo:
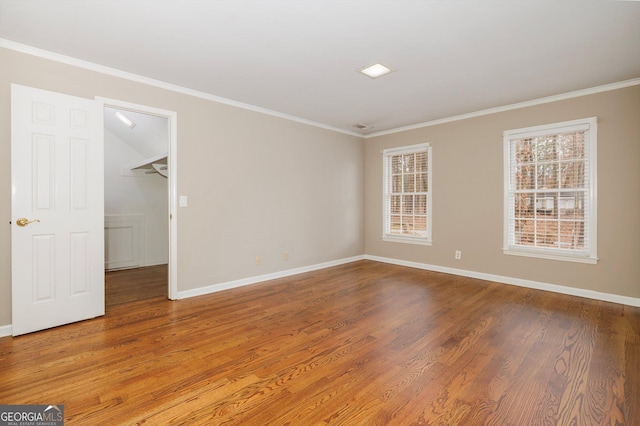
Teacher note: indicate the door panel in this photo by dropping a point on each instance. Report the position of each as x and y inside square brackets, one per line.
[57, 177]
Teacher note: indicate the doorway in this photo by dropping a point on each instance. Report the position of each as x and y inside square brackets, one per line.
[140, 200]
[57, 238]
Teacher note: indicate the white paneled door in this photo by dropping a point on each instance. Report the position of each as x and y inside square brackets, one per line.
[57, 209]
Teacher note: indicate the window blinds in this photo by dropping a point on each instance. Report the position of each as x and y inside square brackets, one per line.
[550, 191]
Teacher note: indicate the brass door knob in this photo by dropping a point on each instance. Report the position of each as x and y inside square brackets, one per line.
[23, 221]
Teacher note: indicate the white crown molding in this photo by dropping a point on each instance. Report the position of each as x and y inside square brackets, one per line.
[45, 54]
[525, 104]
[555, 288]
[68, 60]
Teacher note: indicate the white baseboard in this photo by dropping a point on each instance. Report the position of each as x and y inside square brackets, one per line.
[261, 278]
[5, 330]
[156, 262]
[590, 294]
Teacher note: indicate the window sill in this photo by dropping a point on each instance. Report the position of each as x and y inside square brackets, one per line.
[406, 240]
[551, 256]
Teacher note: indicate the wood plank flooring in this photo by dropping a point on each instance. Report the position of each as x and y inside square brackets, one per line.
[130, 285]
[359, 344]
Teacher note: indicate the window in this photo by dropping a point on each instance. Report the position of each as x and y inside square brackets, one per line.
[550, 191]
[407, 194]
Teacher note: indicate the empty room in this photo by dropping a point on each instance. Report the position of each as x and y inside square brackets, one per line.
[283, 212]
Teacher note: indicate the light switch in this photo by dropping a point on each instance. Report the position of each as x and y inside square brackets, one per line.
[183, 201]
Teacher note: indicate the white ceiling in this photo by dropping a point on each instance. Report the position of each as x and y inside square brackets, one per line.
[299, 57]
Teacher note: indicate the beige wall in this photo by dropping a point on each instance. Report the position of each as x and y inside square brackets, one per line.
[257, 185]
[468, 191]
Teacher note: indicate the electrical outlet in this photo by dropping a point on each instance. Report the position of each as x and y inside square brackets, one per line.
[258, 260]
[458, 255]
[285, 256]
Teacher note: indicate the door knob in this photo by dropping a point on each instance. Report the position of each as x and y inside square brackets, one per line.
[23, 221]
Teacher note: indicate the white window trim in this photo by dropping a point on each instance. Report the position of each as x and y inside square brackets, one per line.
[425, 241]
[589, 255]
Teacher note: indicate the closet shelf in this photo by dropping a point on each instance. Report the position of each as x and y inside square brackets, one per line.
[160, 168]
[154, 164]
[148, 162]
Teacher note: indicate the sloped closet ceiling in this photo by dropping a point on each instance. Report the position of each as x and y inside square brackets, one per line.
[149, 135]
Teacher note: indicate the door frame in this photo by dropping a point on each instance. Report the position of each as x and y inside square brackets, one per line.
[172, 161]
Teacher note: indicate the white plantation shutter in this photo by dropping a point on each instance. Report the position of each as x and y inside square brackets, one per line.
[550, 191]
[407, 194]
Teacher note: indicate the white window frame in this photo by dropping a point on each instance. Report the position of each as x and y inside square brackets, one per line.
[589, 254]
[387, 154]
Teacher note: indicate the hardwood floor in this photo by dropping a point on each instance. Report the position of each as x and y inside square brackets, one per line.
[359, 344]
[130, 285]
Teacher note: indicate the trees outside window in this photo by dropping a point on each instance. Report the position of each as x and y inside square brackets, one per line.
[550, 197]
[407, 194]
